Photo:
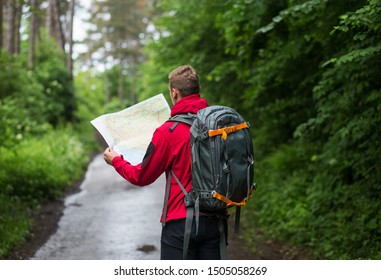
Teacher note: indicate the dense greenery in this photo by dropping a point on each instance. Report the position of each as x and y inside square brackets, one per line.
[41, 154]
[306, 75]
[45, 133]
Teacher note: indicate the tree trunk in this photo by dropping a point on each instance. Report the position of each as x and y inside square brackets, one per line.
[59, 35]
[49, 20]
[17, 13]
[53, 24]
[120, 83]
[133, 81]
[1, 24]
[10, 36]
[70, 41]
[107, 88]
[33, 32]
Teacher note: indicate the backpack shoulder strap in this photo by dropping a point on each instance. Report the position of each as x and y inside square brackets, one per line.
[167, 190]
[190, 210]
[181, 118]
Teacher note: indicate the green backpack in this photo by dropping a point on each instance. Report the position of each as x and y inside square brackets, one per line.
[222, 166]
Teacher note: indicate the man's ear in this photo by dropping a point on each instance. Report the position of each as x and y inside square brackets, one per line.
[175, 93]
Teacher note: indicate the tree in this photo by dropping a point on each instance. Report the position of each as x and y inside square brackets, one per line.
[10, 12]
[70, 40]
[306, 75]
[116, 37]
[18, 13]
[33, 31]
[54, 25]
[187, 37]
[1, 24]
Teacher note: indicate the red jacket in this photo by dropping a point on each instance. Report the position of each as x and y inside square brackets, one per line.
[166, 150]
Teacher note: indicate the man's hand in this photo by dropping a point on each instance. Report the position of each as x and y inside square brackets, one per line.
[109, 155]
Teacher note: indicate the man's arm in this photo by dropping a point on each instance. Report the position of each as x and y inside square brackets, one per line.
[154, 163]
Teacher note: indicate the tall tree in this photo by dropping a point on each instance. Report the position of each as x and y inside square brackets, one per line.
[1, 23]
[18, 13]
[53, 23]
[116, 37]
[33, 31]
[70, 40]
[10, 13]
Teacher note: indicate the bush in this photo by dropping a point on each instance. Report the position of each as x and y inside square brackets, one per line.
[14, 223]
[33, 171]
[39, 168]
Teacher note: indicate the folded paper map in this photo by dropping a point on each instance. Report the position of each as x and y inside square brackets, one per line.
[130, 130]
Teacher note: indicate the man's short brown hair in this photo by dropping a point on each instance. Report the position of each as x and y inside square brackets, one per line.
[185, 79]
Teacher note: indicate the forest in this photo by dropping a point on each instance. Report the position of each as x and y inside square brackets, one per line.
[304, 73]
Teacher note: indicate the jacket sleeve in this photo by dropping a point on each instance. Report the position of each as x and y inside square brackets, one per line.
[154, 163]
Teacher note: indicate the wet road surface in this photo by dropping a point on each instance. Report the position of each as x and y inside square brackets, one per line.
[108, 219]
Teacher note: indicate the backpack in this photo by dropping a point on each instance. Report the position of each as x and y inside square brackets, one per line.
[222, 167]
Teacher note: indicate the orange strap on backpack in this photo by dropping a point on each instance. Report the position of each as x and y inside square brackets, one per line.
[227, 130]
[231, 203]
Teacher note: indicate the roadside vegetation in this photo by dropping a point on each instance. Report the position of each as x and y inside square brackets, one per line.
[305, 74]
[41, 153]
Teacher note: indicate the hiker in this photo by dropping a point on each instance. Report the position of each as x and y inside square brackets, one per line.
[170, 150]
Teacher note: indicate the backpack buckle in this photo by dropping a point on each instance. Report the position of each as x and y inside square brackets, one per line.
[225, 168]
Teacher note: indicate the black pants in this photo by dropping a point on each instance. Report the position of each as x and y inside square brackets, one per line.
[203, 246]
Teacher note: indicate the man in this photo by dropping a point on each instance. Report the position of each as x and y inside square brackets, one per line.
[170, 149]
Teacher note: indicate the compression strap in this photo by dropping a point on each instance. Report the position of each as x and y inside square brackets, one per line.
[227, 130]
[229, 202]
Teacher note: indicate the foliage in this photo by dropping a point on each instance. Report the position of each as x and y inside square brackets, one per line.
[38, 160]
[187, 37]
[14, 223]
[33, 171]
[50, 71]
[347, 121]
[306, 75]
[32, 101]
[115, 40]
[89, 87]
[40, 168]
[21, 102]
